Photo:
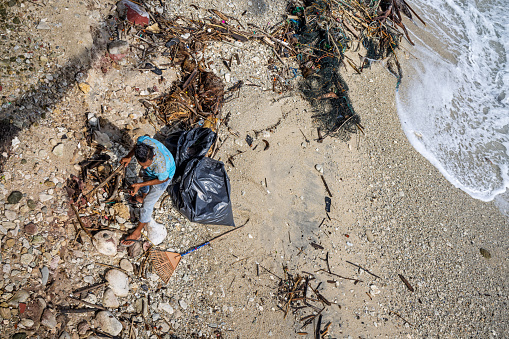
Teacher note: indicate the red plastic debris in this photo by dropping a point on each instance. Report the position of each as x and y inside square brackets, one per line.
[22, 308]
[133, 12]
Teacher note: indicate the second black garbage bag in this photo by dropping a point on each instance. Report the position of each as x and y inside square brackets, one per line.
[200, 188]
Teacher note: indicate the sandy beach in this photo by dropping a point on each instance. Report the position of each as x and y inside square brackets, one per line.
[392, 213]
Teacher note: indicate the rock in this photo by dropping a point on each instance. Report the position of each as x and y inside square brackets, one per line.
[183, 304]
[58, 150]
[30, 228]
[121, 210]
[27, 258]
[118, 282]
[9, 225]
[374, 290]
[49, 184]
[44, 275]
[5, 313]
[43, 197]
[156, 232]
[106, 242]
[118, 47]
[319, 168]
[485, 253]
[9, 243]
[108, 323]
[163, 326]
[14, 197]
[43, 25]
[37, 240]
[10, 215]
[110, 299]
[31, 204]
[20, 297]
[369, 235]
[65, 335]
[135, 250]
[126, 265]
[84, 87]
[165, 307]
[102, 139]
[27, 323]
[48, 319]
[83, 327]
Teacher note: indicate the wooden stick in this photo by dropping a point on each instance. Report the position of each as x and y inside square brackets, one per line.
[88, 288]
[406, 283]
[362, 268]
[115, 172]
[81, 222]
[326, 186]
[77, 310]
[88, 304]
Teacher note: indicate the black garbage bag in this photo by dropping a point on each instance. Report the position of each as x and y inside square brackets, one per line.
[187, 145]
[202, 192]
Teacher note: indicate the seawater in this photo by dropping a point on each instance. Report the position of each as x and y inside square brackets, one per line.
[454, 108]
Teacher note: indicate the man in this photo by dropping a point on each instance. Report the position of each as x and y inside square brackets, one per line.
[158, 170]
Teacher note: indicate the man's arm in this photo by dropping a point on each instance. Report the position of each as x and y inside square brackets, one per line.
[151, 182]
[127, 159]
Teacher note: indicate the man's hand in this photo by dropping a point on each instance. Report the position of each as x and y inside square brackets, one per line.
[125, 161]
[135, 188]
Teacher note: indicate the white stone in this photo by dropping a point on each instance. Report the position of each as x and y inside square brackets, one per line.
[118, 282]
[156, 232]
[166, 308]
[319, 168]
[43, 197]
[126, 265]
[374, 290]
[106, 242]
[183, 304]
[48, 319]
[58, 150]
[27, 323]
[108, 323]
[10, 215]
[369, 235]
[110, 299]
[26, 258]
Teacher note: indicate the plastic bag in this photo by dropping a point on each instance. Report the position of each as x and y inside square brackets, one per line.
[187, 145]
[200, 188]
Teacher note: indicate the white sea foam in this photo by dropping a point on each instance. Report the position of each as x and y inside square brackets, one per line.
[455, 109]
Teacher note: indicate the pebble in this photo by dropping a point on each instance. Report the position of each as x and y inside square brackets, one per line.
[84, 87]
[118, 282]
[14, 197]
[30, 228]
[48, 319]
[27, 258]
[20, 297]
[5, 313]
[19, 335]
[83, 327]
[108, 323]
[485, 253]
[183, 304]
[9, 225]
[88, 279]
[31, 204]
[118, 47]
[166, 308]
[27, 323]
[106, 242]
[110, 299]
[43, 25]
[126, 265]
[44, 275]
[369, 235]
[163, 326]
[37, 240]
[10, 215]
[65, 335]
[43, 153]
[58, 150]
[319, 168]
[43, 197]
[374, 290]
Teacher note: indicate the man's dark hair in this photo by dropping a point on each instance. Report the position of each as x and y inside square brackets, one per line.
[143, 152]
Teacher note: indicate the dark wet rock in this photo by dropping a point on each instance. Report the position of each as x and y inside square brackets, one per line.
[14, 197]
